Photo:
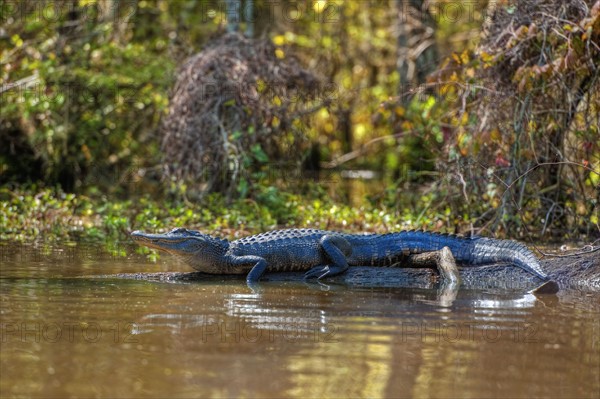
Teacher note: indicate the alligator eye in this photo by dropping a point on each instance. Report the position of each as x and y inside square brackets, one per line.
[179, 230]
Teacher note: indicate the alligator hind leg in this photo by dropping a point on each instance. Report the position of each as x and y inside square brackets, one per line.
[444, 261]
[336, 249]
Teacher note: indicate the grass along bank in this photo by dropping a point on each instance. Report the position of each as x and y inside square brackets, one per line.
[51, 215]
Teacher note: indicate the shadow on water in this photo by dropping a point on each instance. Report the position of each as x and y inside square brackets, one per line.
[66, 332]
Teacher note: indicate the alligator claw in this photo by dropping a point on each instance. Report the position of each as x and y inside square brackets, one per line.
[318, 271]
[324, 271]
[323, 275]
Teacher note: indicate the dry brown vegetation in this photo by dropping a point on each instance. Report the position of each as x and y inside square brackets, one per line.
[536, 108]
[234, 104]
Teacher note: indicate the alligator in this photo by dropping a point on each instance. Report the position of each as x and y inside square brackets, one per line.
[322, 253]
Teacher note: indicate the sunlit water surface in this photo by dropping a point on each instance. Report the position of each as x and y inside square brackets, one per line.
[66, 333]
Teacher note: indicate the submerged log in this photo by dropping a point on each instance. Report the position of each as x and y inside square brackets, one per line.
[577, 271]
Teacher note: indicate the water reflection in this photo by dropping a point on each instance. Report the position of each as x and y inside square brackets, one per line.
[268, 313]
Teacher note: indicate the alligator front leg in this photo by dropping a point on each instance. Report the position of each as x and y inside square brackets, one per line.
[336, 249]
[260, 265]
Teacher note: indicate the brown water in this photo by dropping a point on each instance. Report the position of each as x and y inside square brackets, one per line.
[67, 336]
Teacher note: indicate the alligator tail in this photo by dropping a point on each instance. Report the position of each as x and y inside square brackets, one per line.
[476, 250]
[489, 250]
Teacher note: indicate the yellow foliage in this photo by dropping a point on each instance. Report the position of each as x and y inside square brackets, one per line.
[464, 57]
[323, 113]
[319, 5]
[594, 178]
[486, 58]
[261, 85]
[360, 130]
[532, 126]
[522, 31]
[279, 40]
[495, 135]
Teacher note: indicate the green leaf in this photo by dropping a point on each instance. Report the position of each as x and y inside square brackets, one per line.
[259, 154]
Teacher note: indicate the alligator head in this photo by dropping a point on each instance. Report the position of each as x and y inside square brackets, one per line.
[201, 251]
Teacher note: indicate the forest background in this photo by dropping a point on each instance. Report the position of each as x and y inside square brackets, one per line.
[475, 117]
